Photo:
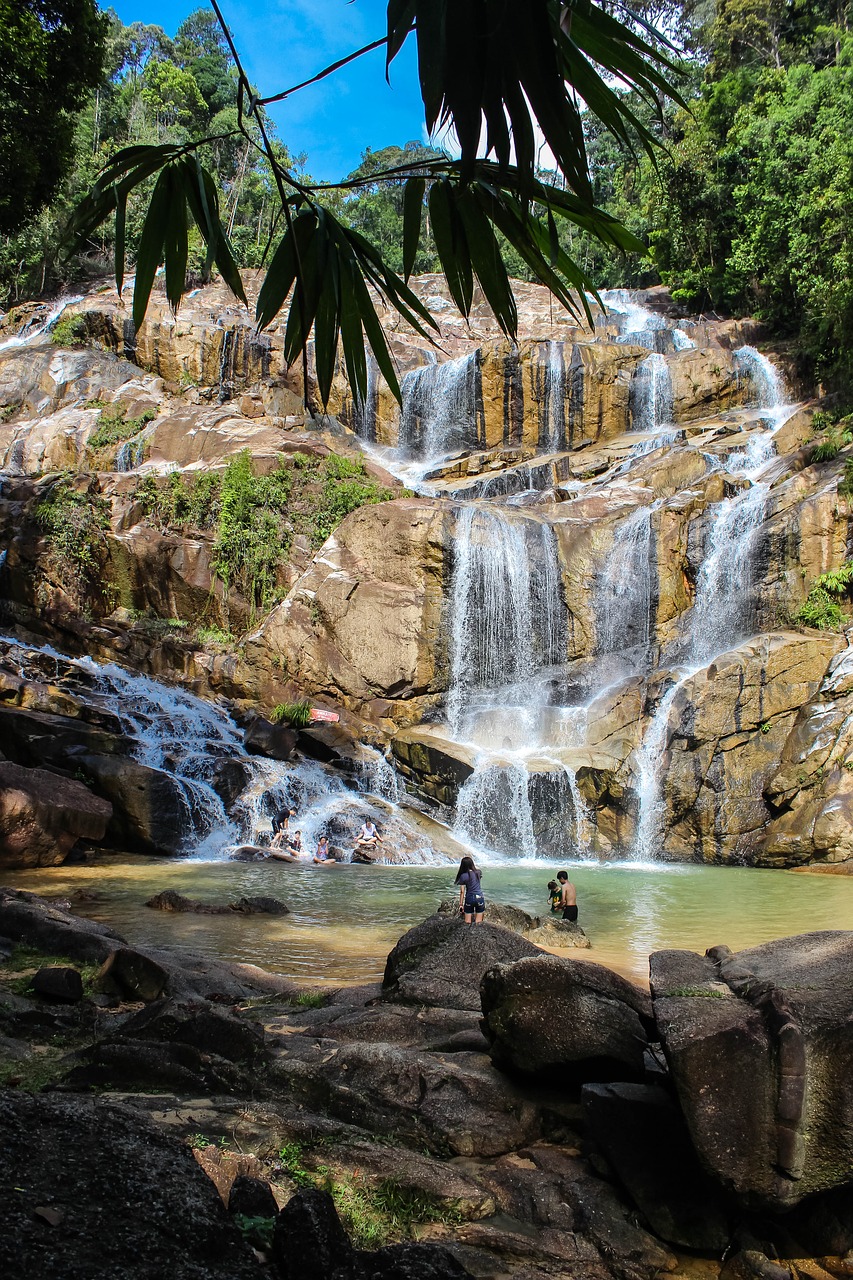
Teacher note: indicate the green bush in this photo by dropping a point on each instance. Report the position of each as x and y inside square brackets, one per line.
[114, 427]
[252, 535]
[69, 331]
[297, 714]
[845, 484]
[831, 445]
[75, 524]
[822, 607]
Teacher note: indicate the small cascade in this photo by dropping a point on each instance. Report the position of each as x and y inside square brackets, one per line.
[130, 454]
[31, 333]
[439, 412]
[649, 765]
[651, 396]
[555, 400]
[637, 324]
[493, 810]
[723, 611]
[377, 775]
[765, 379]
[682, 341]
[365, 411]
[625, 589]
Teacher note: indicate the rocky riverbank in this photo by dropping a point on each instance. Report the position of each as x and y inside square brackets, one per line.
[488, 1110]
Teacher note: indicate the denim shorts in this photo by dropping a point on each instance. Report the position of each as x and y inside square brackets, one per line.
[474, 906]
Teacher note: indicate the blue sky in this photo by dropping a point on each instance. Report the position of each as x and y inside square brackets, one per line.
[283, 42]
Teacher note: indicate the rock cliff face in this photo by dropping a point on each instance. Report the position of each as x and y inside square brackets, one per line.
[579, 634]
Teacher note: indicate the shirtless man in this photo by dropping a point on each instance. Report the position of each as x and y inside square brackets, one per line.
[568, 897]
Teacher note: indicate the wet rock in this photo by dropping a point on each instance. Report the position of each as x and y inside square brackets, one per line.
[274, 740]
[550, 1017]
[544, 931]
[133, 1198]
[643, 1135]
[58, 982]
[42, 816]
[171, 900]
[442, 960]
[206, 1028]
[260, 906]
[131, 974]
[749, 1264]
[248, 853]
[148, 804]
[762, 1070]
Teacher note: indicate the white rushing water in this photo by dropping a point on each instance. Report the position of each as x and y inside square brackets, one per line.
[197, 750]
[32, 332]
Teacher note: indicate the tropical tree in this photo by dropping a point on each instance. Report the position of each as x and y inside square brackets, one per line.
[504, 76]
[51, 54]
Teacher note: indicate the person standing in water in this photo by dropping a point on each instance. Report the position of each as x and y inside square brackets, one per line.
[554, 896]
[568, 897]
[472, 904]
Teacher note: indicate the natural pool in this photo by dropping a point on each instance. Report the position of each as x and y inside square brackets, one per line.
[345, 919]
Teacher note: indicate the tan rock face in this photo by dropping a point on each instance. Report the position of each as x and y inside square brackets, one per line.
[42, 816]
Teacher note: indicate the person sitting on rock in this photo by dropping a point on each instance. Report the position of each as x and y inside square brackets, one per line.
[322, 854]
[294, 844]
[568, 897]
[366, 841]
[554, 896]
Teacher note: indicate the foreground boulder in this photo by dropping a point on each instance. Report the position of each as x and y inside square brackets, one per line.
[128, 1201]
[42, 816]
[550, 1017]
[545, 931]
[442, 960]
[760, 1046]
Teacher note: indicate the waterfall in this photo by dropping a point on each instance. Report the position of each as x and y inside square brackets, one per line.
[438, 413]
[625, 588]
[651, 395]
[722, 613]
[190, 740]
[364, 411]
[555, 399]
[32, 332]
[682, 341]
[507, 620]
[493, 809]
[637, 324]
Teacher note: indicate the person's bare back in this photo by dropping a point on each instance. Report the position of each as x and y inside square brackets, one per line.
[568, 897]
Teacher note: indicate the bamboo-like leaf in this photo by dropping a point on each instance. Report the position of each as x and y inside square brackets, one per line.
[175, 240]
[413, 204]
[375, 336]
[450, 243]
[281, 272]
[121, 220]
[327, 325]
[352, 338]
[150, 253]
[401, 15]
[487, 261]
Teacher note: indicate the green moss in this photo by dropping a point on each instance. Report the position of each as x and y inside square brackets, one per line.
[75, 524]
[114, 427]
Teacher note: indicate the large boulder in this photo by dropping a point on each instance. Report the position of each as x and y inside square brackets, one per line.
[27, 918]
[42, 816]
[442, 961]
[105, 1193]
[555, 1018]
[760, 1047]
[149, 807]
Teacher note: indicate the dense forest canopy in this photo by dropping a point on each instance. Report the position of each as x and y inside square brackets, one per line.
[745, 208]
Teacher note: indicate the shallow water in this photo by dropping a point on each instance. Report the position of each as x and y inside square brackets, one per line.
[345, 919]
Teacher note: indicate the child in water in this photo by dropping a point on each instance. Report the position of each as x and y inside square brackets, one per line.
[554, 896]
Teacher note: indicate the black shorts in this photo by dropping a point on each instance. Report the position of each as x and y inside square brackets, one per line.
[474, 906]
[570, 913]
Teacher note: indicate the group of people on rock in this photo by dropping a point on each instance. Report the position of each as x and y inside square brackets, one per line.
[290, 842]
[472, 905]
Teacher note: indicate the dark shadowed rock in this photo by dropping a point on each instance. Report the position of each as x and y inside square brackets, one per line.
[411, 1261]
[760, 1046]
[131, 974]
[547, 1016]
[131, 1065]
[749, 1264]
[432, 1100]
[260, 906]
[132, 1201]
[58, 982]
[229, 779]
[309, 1241]
[171, 900]
[248, 853]
[441, 961]
[642, 1133]
[201, 1025]
[274, 740]
[149, 807]
[27, 918]
[43, 815]
[252, 1197]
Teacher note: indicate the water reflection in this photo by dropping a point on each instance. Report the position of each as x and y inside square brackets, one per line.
[345, 919]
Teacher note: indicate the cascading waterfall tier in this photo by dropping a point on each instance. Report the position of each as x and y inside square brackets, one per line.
[189, 741]
[439, 409]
